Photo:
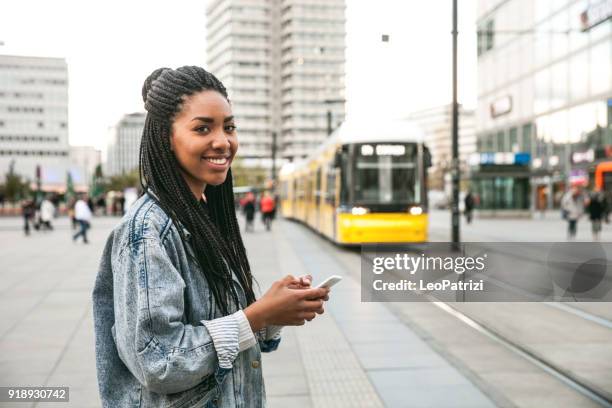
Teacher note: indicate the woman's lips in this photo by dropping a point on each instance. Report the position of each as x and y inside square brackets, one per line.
[220, 163]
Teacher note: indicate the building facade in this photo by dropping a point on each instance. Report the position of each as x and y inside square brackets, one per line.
[34, 118]
[544, 94]
[83, 163]
[283, 64]
[123, 149]
[437, 124]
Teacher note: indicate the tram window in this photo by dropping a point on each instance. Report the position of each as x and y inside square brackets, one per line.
[317, 187]
[343, 162]
[331, 185]
[387, 176]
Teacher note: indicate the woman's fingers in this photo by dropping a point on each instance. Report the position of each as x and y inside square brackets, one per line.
[309, 316]
[314, 293]
[305, 280]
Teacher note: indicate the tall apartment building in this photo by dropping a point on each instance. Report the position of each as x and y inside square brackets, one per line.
[123, 150]
[437, 124]
[283, 64]
[544, 98]
[34, 118]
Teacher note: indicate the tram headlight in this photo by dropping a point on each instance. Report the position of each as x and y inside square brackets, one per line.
[359, 210]
[416, 210]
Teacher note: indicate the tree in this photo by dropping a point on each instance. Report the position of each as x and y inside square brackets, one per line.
[248, 176]
[15, 188]
[123, 181]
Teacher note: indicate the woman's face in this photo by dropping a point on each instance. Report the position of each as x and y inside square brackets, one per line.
[204, 140]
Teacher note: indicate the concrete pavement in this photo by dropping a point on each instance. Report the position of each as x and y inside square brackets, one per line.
[356, 354]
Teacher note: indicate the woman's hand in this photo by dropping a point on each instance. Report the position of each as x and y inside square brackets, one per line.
[283, 306]
[304, 282]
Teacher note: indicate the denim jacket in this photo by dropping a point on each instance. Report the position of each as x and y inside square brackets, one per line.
[160, 339]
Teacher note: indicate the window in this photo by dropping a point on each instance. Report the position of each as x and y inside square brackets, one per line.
[526, 138]
[501, 142]
[490, 38]
[514, 146]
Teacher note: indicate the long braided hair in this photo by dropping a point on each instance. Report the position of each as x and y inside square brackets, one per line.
[216, 239]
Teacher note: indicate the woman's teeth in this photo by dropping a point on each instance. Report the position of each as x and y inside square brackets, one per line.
[216, 161]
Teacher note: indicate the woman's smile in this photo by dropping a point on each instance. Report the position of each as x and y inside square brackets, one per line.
[217, 162]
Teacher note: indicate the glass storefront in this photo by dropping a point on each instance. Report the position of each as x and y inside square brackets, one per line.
[502, 192]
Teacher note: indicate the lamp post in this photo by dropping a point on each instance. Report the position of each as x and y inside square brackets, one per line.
[455, 138]
[274, 157]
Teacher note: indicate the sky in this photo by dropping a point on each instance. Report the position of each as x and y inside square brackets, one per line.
[112, 46]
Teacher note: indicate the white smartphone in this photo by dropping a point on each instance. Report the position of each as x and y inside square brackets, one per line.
[329, 282]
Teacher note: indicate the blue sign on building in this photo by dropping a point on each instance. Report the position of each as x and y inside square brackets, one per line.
[522, 158]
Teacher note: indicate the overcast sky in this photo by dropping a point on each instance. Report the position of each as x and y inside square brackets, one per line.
[111, 46]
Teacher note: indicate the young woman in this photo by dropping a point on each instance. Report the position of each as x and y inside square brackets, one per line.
[176, 319]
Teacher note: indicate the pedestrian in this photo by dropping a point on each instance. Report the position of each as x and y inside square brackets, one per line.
[176, 319]
[83, 215]
[73, 222]
[27, 210]
[596, 209]
[248, 209]
[572, 205]
[47, 212]
[266, 205]
[469, 203]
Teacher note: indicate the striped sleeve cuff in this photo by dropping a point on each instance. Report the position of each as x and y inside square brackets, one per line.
[246, 338]
[224, 332]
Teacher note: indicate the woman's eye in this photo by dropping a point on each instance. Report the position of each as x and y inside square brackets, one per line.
[202, 129]
[230, 128]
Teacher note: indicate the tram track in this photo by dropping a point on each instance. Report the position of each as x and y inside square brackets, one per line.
[601, 397]
[594, 394]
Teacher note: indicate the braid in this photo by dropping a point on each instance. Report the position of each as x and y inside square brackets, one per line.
[216, 241]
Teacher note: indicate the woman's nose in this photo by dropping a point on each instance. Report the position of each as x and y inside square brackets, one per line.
[220, 141]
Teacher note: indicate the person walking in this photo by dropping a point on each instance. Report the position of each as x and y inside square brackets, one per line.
[249, 212]
[267, 205]
[572, 205]
[27, 209]
[177, 322]
[83, 215]
[596, 210]
[469, 203]
[47, 212]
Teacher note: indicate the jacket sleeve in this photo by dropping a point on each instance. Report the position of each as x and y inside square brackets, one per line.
[269, 338]
[166, 354]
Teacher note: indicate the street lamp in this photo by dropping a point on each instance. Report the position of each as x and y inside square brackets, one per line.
[328, 102]
[455, 139]
[274, 157]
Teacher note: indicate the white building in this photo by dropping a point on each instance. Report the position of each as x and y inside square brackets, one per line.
[123, 149]
[545, 88]
[281, 60]
[34, 118]
[83, 163]
[437, 124]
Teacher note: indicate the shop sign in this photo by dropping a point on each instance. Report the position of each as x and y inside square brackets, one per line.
[501, 158]
[522, 159]
[578, 177]
[501, 106]
[583, 157]
[596, 14]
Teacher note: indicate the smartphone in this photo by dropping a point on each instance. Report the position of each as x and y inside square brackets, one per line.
[329, 282]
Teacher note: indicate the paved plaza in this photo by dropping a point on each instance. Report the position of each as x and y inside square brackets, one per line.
[355, 355]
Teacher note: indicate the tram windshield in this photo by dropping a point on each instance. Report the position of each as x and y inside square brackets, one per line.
[387, 173]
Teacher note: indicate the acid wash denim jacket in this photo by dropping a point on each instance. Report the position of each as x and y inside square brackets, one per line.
[160, 339]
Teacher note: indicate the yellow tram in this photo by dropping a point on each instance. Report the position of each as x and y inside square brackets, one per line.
[365, 184]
